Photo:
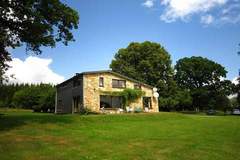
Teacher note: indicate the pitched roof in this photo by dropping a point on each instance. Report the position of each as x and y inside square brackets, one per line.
[106, 71]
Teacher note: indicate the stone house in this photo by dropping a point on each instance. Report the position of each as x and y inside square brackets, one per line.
[87, 90]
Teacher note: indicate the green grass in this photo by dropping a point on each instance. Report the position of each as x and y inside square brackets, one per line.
[36, 136]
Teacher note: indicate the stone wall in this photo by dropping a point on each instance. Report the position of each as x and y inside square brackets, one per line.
[92, 91]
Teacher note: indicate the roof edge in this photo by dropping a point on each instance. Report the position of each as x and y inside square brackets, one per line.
[106, 71]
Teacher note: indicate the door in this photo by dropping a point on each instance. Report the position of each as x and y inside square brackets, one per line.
[147, 102]
[76, 104]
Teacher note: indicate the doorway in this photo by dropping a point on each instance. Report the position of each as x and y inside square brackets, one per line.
[76, 104]
[147, 102]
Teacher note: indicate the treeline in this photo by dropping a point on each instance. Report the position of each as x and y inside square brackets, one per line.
[39, 97]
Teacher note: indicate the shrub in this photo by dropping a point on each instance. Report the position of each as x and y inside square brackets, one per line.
[26, 98]
[47, 101]
[37, 97]
[130, 95]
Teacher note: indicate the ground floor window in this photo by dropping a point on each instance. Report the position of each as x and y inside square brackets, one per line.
[107, 101]
[147, 102]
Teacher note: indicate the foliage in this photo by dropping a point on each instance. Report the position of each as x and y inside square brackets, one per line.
[179, 99]
[34, 23]
[129, 95]
[234, 102]
[184, 99]
[38, 97]
[219, 102]
[47, 100]
[26, 98]
[196, 72]
[202, 77]
[7, 92]
[167, 104]
[147, 62]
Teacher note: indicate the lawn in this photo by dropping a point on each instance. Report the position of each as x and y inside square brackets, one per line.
[37, 136]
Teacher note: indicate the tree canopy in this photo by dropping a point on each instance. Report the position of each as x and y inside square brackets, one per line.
[34, 23]
[196, 72]
[203, 78]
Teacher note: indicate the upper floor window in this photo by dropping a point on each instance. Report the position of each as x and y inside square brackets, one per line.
[101, 82]
[137, 86]
[118, 83]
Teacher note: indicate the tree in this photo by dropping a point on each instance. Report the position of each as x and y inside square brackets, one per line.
[147, 62]
[234, 102]
[26, 97]
[202, 77]
[196, 72]
[184, 99]
[39, 97]
[34, 23]
[175, 98]
[47, 99]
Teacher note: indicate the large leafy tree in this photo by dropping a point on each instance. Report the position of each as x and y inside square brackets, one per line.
[147, 62]
[34, 23]
[196, 72]
[203, 78]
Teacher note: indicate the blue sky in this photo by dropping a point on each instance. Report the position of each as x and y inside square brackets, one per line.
[210, 29]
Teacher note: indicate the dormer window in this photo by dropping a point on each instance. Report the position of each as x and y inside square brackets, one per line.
[101, 82]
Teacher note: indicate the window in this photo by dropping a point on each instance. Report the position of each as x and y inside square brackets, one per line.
[101, 82]
[118, 83]
[137, 86]
[110, 101]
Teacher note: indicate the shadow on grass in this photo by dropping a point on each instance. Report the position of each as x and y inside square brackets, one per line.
[11, 121]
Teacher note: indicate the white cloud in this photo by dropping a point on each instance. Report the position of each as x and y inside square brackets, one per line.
[32, 70]
[148, 3]
[182, 9]
[207, 19]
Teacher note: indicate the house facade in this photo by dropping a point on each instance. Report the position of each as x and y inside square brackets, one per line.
[88, 90]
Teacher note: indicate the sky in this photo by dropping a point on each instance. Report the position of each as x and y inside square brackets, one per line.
[185, 28]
